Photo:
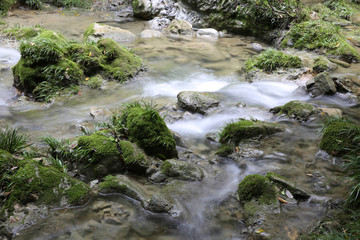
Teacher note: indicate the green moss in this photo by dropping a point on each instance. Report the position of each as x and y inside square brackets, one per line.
[298, 110]
[87, 56]
[271, 60]
[121, 63]
[26, 78]
[5, 6]
[111, 183]
[95, 82]
[64, 73]
[341, 8]
[130, 154]
[22, 33]
[165, 167]
[224, 151]
[100, 144]
[47, 47]
[321, 35]
[256, 187]
[33, 182]
[340, 137]
[149, 131]
[245, 129]
[320, 64]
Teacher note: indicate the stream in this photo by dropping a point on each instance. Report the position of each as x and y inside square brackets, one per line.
[207, 209]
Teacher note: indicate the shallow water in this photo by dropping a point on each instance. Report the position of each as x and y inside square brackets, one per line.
[209, 209]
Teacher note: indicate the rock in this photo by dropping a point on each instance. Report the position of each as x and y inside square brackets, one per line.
[283, 183]
[340, 63]
[331, 111]
[158, 177]
[301, 111]
[179, 28]
[180, 141]
[147, 9]
[234, 133]
[344, 85]
[257, 47]
[158, 23]
[134, 158]
[322, 64]
[98, 112]
[98, 31]
[181, 170]
[199, 102]
[207, 33]
[321, 84]
[158, 204]
[103, 155]
[148, 33]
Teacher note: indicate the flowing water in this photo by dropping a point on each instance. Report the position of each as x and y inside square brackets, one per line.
[206, 209]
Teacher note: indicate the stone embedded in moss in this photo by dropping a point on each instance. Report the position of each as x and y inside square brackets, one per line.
[298, 110]
[256, 187]
[271, 60]
[149, 131]
[321, 35]
[33, 182]
[339, 137]
[181, 170]
[135, 159]
[103, 154]
[244, 129]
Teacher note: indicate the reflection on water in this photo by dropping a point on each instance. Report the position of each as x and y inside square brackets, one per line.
[209, 209]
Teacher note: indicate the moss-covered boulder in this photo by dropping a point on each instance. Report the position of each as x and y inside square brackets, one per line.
[103, 155]
[51, 65]
[234, 133]
[322, 64]
[181, 170]
[271, 60]
[199, 102]
[148, 130]
[340, 136]
[323, 35]
[33, 182]
[301, 111]
[121, 63]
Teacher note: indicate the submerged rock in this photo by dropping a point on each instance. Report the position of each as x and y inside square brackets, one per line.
[98, 31]
[321, 84]
[236, 132]
[208, 34]
[199, 102]
[148, 33]
[181, 170]
[301, 111]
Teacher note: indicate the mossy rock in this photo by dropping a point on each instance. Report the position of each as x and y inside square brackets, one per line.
[322, 64]
[181, 170]
[103, 154]
[257, 187]
[121, 64]
[148, 130]
[134, 158]
[33, 182]
[27, 78]
[340, 136]
[271, 60]
[324, 35]
[301, 111]
[64, 73]
[246, 129]
[47, 47]
[87, 56]
[224, 151]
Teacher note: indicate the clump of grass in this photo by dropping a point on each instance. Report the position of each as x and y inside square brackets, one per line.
[12, 141]
[271, 60]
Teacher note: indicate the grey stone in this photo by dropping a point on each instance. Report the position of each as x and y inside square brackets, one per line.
[199, 102]
[321, 84]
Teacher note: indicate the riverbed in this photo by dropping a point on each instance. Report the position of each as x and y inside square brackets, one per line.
[207, 209]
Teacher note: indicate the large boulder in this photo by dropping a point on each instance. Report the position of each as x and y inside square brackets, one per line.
[199, 102]
[321, 84]
[98, 31]
[179, 28]
[301, 111]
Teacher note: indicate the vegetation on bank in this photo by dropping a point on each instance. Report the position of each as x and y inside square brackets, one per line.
[51, 65]
[271, 60]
